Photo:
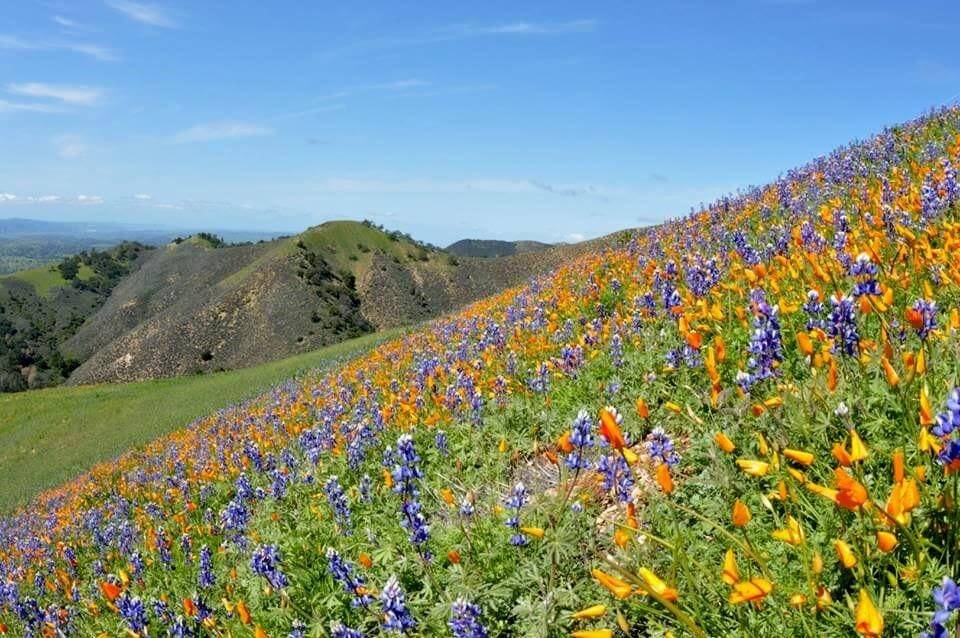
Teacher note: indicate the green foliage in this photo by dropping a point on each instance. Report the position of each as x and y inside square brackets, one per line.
[51, 435]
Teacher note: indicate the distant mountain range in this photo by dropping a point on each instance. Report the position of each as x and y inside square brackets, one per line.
[197, 305]
[29, 243]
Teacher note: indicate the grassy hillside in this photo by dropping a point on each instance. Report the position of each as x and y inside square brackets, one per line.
[51, 435]
[196, 307]
[41, 308]
[743, 422]
[45, 279]
[493, 247]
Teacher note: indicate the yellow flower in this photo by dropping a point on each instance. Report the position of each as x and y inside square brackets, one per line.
[868, 618]
[741, 514]
[753, 467]
[730, 575]
[846, 555]
[858, 451]
[594, 611]
[886, 541]
[664, 480]
[799, 456]
[593, 633]
[536, 532]
[792, 534]
[657, 586]
[753, 590]
[724, 442]
[614, 585]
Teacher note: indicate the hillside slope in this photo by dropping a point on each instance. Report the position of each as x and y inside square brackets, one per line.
[49, 436]
[493, 247]
[194, 308]
[42, 307]
[744, 422]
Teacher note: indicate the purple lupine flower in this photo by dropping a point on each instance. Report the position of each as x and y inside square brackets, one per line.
[440, 441]
[515, 501]
[352, 583]
[278, 489]
[616, 350]
[949, 419]
[236, 516]
[661, 448]
[265, 562]
[339, 630]
[866, 273]
[617, 476]
[842, 325]
[339, 504]
[406, 474]
[298, 629]
[133, 612]
[206, 579]
[766, 343]
[465, 620]
[581, 439]
[396, 616]
[814, 309]
[180, 628]
[466, 507]
[946, 598]
[540, 383]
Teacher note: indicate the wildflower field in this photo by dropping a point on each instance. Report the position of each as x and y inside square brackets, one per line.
[740, 422]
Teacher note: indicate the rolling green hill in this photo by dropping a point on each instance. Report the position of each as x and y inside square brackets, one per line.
[194, 307]
[51, 435]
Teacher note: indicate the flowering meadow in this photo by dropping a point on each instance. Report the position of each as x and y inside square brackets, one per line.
[741, 422]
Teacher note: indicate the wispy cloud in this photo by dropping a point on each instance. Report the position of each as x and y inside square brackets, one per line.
[149, 14]
[70, 146]
[143, 197]
[15, 43]
[66, 23]
[28, 107]
[452, 33]
[567, 190]
[529, 28]
[74, 95]
[219, 131]
[88, 200]
[483, 185]
[322, 102]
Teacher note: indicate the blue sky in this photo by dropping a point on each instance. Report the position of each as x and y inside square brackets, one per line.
[551, 121]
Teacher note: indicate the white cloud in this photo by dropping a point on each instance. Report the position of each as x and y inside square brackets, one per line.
[144, 13]
[75, 95]
[14, 43]
[483, 185]
[10, 198]
[143, 197]
[575, 237]
[67, 23]
[70, 146]
[32, 107]
[219, 131]
[534, 28]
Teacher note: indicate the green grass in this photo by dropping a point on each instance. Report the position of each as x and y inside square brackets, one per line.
[50, 436]
[46, 278]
